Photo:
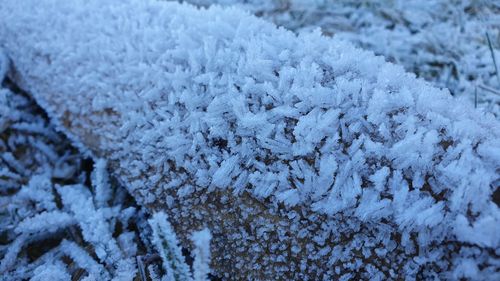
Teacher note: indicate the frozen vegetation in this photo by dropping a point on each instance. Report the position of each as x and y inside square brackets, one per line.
[450, 43]
[306, 157]
[57, 221]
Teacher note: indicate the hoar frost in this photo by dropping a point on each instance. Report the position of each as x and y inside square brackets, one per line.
[306, 157]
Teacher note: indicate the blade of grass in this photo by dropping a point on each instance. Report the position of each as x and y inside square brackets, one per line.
[475, 97]
[142, 271]
[489, 89]
[493, 56]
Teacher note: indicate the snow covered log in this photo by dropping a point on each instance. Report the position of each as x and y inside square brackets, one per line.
[306, 157]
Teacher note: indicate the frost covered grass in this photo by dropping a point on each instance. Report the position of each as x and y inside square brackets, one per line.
[61, 218]
[306, 157]
[449, 43]
[176, 268]
[54, 224]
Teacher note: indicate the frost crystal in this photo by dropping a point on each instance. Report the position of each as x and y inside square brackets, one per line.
[201, 240]
[443, 41]
[306, 157]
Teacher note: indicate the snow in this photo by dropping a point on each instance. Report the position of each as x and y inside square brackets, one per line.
[200, 102]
